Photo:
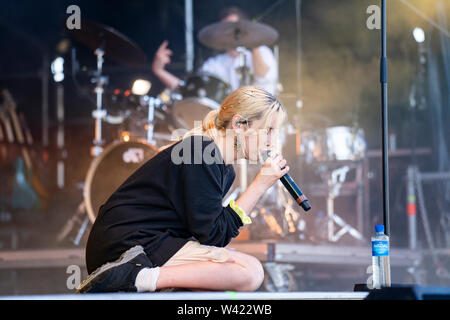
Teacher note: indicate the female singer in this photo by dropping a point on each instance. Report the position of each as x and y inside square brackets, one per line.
[166, 227]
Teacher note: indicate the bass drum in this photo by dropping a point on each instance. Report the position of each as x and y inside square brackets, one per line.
[201, 93]
[111, 168]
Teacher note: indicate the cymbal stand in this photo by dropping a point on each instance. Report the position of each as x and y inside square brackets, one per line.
[243, 68]
[245, 80]
[98, 114]
[335, 181]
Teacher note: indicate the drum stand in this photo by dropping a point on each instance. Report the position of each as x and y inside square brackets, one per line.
[152, 103]
[335, 181]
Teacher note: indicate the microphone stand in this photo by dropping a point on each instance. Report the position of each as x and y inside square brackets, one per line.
[384, 119]
[384, 131]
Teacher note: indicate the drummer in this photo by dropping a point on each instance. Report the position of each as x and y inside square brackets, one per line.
[260, 61]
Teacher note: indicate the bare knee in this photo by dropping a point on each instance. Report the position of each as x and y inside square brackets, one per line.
[250, 274]
[257, 276]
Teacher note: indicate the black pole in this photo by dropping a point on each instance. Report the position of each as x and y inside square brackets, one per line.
[298, 8]
[44, 101]
[384, 119]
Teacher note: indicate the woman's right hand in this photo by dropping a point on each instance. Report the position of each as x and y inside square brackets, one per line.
[162, 57]
[271, 170]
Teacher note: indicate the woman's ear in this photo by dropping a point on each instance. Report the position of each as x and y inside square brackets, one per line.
[237, 122]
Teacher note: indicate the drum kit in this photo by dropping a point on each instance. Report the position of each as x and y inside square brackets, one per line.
[147, 123]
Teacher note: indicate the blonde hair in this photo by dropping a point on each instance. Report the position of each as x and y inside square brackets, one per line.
[250, 102]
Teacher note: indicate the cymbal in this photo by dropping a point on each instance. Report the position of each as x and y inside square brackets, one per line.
[229, 35]
[116, 46]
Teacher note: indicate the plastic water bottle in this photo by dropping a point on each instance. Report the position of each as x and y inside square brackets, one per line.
[380, 259]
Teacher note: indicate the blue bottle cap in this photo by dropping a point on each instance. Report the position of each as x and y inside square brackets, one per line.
[379, 228]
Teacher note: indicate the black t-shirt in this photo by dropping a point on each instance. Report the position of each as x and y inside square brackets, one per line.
[174, 197]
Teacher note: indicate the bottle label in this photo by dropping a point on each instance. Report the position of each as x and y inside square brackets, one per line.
[380, 248]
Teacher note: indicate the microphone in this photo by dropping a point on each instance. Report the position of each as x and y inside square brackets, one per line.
[292, 187]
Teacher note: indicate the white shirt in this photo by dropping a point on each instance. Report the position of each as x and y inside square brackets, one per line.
[226, 67]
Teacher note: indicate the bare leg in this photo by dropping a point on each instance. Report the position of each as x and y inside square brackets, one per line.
[244, 274]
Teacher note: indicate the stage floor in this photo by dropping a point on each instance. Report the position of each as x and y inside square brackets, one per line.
[264, 251]
[199, 296]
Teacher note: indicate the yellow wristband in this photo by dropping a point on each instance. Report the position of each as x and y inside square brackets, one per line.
[244, 218]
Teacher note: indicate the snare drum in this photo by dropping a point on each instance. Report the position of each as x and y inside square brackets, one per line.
[200, 93]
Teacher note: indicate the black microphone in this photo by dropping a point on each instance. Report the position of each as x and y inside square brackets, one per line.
[292, 187]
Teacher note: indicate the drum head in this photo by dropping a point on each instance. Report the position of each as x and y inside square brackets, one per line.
[191, 111]
[110, 169]
[201, 92]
